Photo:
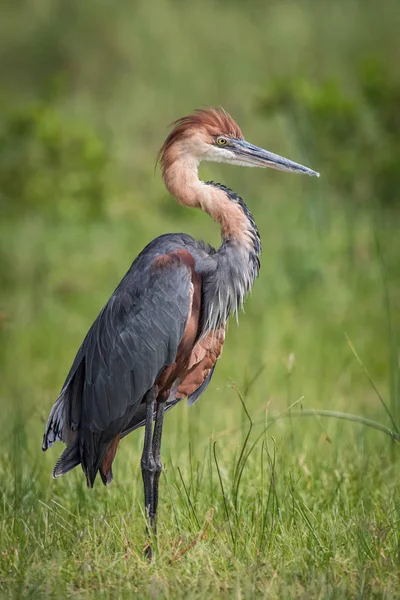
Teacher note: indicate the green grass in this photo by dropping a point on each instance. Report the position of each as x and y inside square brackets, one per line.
[250, 506]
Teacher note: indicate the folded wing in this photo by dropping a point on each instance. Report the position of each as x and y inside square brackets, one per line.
[133, 339]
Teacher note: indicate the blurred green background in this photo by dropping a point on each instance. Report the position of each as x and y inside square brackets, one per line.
[87, 92]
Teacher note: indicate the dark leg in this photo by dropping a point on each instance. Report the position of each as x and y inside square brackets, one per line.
[157, 460]
[147, 463]
[151, 462]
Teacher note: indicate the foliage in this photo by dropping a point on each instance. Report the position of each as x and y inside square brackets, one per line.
[355, 135]
[50, 163]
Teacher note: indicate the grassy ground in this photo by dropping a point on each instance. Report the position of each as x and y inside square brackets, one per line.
[299, 507]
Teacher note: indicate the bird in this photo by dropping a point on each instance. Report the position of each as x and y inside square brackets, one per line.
[160, 335]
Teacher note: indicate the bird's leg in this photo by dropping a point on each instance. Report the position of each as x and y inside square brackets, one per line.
[156, 456]
[147, 463]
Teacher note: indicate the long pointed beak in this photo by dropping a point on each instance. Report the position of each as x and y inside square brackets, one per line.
[252, 156]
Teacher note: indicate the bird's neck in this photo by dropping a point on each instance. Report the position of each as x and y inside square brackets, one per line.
[237, 260]
[224, 206]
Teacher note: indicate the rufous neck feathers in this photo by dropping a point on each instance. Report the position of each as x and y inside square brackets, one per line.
[182, 181]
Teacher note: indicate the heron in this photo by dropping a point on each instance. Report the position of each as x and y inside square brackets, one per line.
[158, 338]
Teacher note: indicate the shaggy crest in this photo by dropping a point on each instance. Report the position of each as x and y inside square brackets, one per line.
[213, 121]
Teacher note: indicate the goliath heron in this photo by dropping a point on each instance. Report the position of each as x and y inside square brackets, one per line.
[159, 336]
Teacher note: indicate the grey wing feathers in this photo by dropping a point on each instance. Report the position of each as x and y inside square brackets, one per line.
[131, 345]
[69, 459]
[62, 415]
[134, 337]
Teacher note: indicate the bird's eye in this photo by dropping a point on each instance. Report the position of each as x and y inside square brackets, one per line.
[221, 141]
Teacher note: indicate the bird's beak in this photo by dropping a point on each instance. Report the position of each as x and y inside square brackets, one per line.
[252, 156]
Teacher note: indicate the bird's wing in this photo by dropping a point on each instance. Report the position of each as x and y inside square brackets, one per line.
[131, 343]
[201, 368]
[134, 338]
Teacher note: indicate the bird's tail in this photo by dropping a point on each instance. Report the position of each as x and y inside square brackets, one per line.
[68, 460]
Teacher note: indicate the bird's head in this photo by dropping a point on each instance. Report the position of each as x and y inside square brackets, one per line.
[212, 135]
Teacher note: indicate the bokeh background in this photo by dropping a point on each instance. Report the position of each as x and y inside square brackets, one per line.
[87, 92]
